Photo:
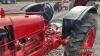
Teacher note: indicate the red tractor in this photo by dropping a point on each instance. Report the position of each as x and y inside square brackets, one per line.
[33, 35]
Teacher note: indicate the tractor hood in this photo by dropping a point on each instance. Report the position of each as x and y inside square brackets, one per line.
[23, 26]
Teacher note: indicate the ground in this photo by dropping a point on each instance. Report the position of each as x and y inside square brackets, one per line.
[57, 17]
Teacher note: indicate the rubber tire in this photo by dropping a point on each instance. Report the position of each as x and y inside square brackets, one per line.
[76, 41]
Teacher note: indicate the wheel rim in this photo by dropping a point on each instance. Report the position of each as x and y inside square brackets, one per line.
[88, 42]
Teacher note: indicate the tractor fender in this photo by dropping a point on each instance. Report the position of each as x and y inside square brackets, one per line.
[75, 15]
[78, 12]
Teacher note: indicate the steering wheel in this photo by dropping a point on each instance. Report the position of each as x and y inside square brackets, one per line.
[46, 8]
[48, 11]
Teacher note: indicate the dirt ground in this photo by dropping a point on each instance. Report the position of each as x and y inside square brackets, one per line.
[59, 51]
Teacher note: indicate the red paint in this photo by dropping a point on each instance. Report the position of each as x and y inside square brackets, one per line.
[88, 42]
[5, 21]
[25, 26]
[2, 13]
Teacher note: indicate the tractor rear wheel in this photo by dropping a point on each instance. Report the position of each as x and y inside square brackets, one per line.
[82, 39]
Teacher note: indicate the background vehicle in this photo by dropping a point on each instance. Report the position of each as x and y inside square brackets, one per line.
[83, 3]
[8, 1]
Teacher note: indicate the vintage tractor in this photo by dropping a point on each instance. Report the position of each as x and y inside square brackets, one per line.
[33, 35]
